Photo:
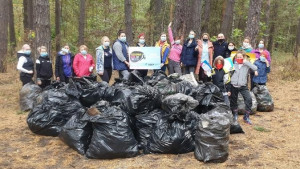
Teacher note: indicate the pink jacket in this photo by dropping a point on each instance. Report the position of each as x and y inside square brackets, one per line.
[81, 65]
[175, 49]
[210, 51]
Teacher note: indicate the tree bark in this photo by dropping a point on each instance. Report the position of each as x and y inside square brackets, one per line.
[272, 27]
[267, 21]
[206, 15]
[156, 7]
[196, 16]
[226, 27]
[297, 40]
[81, 23]
[57, 24]
[180, 19]
[128, 21]
[3, 34]
[253, 21]
[12, 34]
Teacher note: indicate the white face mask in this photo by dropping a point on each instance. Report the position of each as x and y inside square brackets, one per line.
[177, 42]
[230, 47]
[245, 44]
[163, 38]
[106, 44]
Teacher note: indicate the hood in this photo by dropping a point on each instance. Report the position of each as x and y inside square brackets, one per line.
[218, 58]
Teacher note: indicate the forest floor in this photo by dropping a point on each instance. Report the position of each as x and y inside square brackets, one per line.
[277, 146]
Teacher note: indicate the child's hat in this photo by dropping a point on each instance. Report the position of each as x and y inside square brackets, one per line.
[265, 53]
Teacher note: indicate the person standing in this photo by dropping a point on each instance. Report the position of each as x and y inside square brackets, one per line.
[120, 55]
[174, 57]
[63, 65]
[246, 45]
[44, 70]
[205, 50]
[263, 68]
[142, 43]
[25, 64]
[189, 54]
[104, 64]
[164, 51]
[231, 48]
[261, 48]
[83, 63]
[220, 46]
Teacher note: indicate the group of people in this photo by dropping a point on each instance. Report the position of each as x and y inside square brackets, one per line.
[178, 57]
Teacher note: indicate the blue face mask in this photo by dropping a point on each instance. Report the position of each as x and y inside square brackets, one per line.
[262, 58]
[84, 52]
[191, 36]
[163, 38]
[141, 41]
[261, 46]
[123, 39]
[44, 54]
[27, 52]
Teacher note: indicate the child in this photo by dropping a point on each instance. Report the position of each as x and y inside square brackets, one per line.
[239, 84]
[43, 68]
[263, 67]
[221, 78]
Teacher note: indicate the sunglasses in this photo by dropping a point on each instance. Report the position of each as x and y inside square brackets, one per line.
[136, 56]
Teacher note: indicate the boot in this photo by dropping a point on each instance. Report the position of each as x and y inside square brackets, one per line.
[235, 115]
[247, 118]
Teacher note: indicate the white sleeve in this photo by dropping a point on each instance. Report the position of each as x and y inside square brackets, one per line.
[21, 62]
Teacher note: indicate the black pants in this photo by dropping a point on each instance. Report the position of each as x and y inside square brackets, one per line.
[26, 79]
[45, 83]
[203, 77]
[106, 74]
[234, 96]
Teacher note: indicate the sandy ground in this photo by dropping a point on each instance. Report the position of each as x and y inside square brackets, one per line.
[277, 148]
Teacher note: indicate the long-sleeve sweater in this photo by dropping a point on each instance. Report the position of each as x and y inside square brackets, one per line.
[239, 77]
[176, 49]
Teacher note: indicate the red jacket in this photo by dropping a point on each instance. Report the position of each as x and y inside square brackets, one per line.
[81, 65]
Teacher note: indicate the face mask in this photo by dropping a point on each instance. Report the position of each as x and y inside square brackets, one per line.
[106, 44]
[27, 52]
[205, 40]
[230, 47]
[221, 40]
[177, 42]
[262, 58]
[44, 54]
[65, 50]
[239, 61]
[261, 46]
[163, 38]
[191, 36]
[219, 66]
[245, 44]
[84, 52]
[123, 39]
[141, 41]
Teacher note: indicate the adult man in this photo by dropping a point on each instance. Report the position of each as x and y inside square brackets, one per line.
[220, 46]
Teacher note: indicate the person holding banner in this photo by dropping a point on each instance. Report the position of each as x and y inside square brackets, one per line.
[205, 50]
[142, 43]
[189, 54]
[164, 50]
[246, 45]
[174, 57]
[104, 64]
[120, 55]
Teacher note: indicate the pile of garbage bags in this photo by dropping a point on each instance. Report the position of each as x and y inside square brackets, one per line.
[157, 114]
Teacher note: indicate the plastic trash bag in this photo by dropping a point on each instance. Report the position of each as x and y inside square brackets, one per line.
[156, 77]
[179, 103]
[264, 99]
[242, 106]
[235, 127]
[28, 95]
[55, 110]
[212, 135]
[76, 133]
[166, 87]
[112, 136]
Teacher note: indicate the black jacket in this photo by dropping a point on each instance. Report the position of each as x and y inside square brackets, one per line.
[189, 56]
[218, 80]
[59, 69]
[220, 49]
[228, 52]
[44, 68]
[29, 65]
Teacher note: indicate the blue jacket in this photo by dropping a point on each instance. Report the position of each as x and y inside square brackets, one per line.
[262, 70]
[118, 64]
[220, 49]
[188, 55]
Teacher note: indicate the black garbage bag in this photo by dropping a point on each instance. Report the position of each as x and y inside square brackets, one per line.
[242, 106]
[235, 127]
[156, 77]
[170, 136]
[264, 99]
[166, 87]
[55, 110]
[135, 77]
[179, 103]
[186, 88]
[212, 135]
[143, 99]
[73, 89]
[76, 133]
[145, 124]
[112, 135]
[28, 95]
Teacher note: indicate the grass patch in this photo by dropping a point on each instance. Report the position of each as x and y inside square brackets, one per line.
[261, 129]
[21, 112]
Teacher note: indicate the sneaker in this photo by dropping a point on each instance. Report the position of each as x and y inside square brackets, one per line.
[247, 118]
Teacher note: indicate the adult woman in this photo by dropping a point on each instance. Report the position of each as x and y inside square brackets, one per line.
[44, 70]
[205, 50]
[25, 64]
[174, 57]
[164, 50]
[231, 48]
[246, 47]
[142, 43]
[261, 48]
[63, 64]
[104, 60]
[120, 55]
[83, 63]
[189, 54]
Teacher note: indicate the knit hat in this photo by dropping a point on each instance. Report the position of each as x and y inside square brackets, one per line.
[142, 34]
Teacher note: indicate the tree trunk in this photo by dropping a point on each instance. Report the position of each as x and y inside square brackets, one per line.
[206, 16]
[272, 27]
[81, 23]
[267, 20]
[297, 40]
[226, 28]
[156, 7]
[28, 21]
[180, 19]
[57, 24]
[196, 16]
[128, 21]
[12, 34]
[3, 34]
[253, 21]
